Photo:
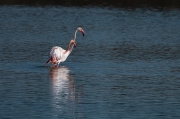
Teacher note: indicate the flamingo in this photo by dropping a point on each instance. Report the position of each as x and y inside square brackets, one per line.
[58, 54]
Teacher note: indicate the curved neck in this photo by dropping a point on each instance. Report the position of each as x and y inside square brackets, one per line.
[69, 47]
[74, 39]
[75, 35]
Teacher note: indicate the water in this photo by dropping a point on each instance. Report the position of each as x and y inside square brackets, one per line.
[126, 66]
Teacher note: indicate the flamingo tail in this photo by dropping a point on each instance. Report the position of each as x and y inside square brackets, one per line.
[48, 62]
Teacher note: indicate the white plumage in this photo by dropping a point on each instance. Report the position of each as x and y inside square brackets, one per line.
[57, 54]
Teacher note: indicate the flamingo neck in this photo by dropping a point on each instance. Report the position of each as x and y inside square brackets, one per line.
[75, 35]
[74, 39]
[69, 48]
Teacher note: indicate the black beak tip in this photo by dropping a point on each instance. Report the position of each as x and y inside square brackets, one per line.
[83, 34]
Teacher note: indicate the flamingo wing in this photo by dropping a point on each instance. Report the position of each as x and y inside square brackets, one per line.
[55, 55]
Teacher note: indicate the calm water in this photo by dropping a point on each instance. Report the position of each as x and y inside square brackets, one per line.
[127, 65]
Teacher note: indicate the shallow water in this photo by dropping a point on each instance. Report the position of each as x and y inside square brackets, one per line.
[126, 66]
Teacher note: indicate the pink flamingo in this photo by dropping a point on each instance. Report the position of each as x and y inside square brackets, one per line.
[57, 54]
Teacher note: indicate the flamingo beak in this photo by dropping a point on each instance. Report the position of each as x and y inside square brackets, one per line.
[83, 32]
[74, 44]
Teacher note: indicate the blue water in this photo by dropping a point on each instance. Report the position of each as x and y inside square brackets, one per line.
[127, 65]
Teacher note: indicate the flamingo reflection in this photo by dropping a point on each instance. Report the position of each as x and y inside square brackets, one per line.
[63, 90]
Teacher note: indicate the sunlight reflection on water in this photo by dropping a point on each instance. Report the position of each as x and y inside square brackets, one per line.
[63, 90]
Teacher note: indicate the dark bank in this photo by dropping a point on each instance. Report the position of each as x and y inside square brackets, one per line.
[112, 3]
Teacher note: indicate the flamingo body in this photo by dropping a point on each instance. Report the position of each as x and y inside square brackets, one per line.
[58, 54]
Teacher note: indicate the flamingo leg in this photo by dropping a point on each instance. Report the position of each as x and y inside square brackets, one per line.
[56, 65]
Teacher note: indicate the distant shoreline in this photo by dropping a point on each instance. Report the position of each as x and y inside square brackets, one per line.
[111, 3]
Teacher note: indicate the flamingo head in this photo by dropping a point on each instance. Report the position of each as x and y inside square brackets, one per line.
[81, 30]
[74, 43]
